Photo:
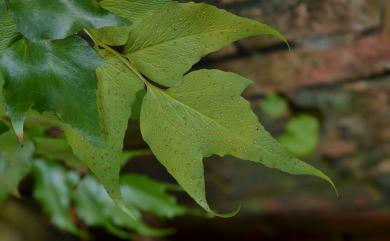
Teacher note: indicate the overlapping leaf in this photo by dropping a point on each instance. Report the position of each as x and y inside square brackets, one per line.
[15, 162]
[200, 115]
[117, 91]
[166, 45]
[55, 76]
[58, 190]
[206, 116]
[57, 19]
[133, 10]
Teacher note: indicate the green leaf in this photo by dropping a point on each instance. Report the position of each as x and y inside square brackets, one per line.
[3, 196]
[151, 196]
[96, 208]
[117, 91]
[166, 45]
[3, 7]
[57, 19]
[2, 100]
[55, 76]
[274, 105]
[133, 10]
[131, 154]
[15, 162]
[205, 116]
[8, 31]
[52, 190]
[113, 36]
[55, 149]
[302, 135]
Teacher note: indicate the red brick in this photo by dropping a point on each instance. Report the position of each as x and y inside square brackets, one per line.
[305, 67]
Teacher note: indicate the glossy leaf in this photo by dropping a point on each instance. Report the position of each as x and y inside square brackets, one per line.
[117, 91]
[205, 116]
[8, 30]
[57, 19]
[15, 162]
[302, 135]
[57, 76]
[53, 191]
[166, 45]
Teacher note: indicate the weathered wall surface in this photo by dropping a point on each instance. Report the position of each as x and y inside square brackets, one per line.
[339, 71]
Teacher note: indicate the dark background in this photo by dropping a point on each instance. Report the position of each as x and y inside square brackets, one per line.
[338, 71]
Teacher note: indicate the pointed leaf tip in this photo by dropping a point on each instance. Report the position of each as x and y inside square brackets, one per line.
[328, 180]
[18, 126]
[20, 138]
[62, 70]
[125, 209]
[227, 214]
[323, 176]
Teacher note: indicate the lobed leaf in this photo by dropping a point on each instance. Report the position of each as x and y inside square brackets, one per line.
[117, 91]
[205, 116]
[53, 76]
[166, 44]
[58, 19]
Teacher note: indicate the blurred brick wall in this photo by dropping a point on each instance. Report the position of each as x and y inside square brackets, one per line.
[338, 69]
[333, 40]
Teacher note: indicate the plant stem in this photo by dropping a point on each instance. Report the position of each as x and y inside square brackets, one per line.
[98, 43]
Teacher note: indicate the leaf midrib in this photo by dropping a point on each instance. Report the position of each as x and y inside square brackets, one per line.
[175, 39]
[214, 121]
